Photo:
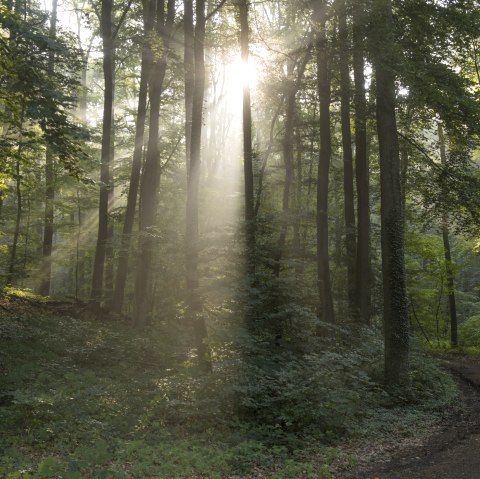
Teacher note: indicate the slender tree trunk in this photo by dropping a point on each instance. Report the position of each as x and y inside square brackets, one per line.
[83, 101]
[49, 183]
[77, 249]
[247, 121]
[326, 310]
[18, 218]
[363, 267]
[109, 250]
[48, 224]
[349, 204]
[288, 156]
[27, 239]
[189, 65]
[395, 307]
[194, 300]
[107, 152]
[248, 174]
[297, 240]
[452, 307]
[122, 268]
[151, 173]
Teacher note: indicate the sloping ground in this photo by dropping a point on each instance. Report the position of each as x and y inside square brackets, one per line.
[19, 302]
[90, 399]
[452, 453]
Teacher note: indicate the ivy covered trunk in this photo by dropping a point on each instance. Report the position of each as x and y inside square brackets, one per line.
[395, 305]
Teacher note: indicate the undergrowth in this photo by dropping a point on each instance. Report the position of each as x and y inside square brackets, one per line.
[83, 399]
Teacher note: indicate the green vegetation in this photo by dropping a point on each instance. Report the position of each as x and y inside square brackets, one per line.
[83, 400]
[232, 233]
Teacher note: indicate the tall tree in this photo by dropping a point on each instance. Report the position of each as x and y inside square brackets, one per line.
[19, 201]
[452, 307]
[363, 268]
[395, 306]
[326, 309]
[151, 174]
[248, 172]
[49, 182]
[189, 66]
[107, 150]
[145, 72]
[349, 198]
[247, 116]
[293, 86]
[194, 300]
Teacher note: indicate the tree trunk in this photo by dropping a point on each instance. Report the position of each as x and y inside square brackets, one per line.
[27, 238]
[189, 65]
[247, 145]
[326, 310]
[363, 267]
[288, 156]
[452, 307]
[49, 184]
[247, 117]
[151, 173]
[395, 308]
[77, 248]
[297, 240]
[122, 268]
[18, 218]
[349, 204]
[106, 153]
[194, 300]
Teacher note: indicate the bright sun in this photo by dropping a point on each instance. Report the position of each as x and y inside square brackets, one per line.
[240, 73]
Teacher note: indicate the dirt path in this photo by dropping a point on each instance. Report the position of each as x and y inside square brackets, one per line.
[453, 453]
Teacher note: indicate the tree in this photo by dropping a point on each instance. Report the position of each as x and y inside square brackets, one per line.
[36, 106]
[49, 182]
[363, 267]
[349, 197]
[194, 301]
[448, 254]
[395, 306]
[151, 172]
[107, 151]
[323, 262]
[134, 183]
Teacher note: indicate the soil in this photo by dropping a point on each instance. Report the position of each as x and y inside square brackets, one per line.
[453, 452]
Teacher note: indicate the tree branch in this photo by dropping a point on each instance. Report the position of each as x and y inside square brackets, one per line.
[122, 18]
[215, 10]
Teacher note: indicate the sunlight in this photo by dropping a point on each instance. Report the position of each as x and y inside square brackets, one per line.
[241, 73]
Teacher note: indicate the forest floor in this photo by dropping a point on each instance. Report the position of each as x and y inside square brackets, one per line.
[453, 451]
[72, 390]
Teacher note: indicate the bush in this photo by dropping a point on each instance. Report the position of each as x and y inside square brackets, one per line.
[316, 393]
[469, 332]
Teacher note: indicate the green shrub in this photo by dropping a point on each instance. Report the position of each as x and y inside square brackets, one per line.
[469, 332]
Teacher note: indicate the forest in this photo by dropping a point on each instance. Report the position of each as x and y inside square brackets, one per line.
[238, 238]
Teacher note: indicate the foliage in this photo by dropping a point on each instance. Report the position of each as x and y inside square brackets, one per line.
[81, 399]
[470, 331]
[36, 104]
